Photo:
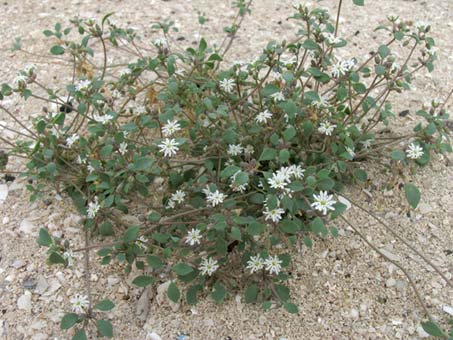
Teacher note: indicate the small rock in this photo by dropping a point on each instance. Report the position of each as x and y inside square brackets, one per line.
[29, 283]
[390, 282]
[403, 113]
[24, 302]
[27, 226]
[354, 313]
[3, 192]
[17, 264]
[41, 285]
[153, 336]
[448, 309]
[425, 208]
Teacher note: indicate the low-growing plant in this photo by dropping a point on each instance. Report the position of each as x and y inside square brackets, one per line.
[231, 165]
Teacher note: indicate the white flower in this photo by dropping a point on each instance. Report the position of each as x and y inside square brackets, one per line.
[69, 257]
[90, 168]
[326, 128]
[414, 151]
[104, 119]
[278, 96]
[215, 198]
[421, 25]
[235, 149]
[208, 266]
[394, 67]
[123, 148]
[237, 188]
[80, 160]
[116, 94]
[161, 42]
[29, 68]
[341, 67]
[323, 202]
[289, 61]
[331, 38]
[141, 242]
[431, 51]
[350, 151]
[278, 180]
[125, 72]
[227, 85]
[83, 85]
[170, 128]
[322, 102]
[262, 117]
[297, 171]
[275, 215]
[93, 208]
[71, 140]
[20, 79]
[169, 147]
[249, 150]
[178, 196]
[193, 237]
[255, 263]
[367, 143]
[139, 109]
[79, 303]
[170, 204]
[273, 264]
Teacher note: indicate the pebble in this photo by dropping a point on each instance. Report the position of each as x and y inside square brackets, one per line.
[425, 208]
[390, 282]
[3, 192]
[27, 226]
[153, 336]
[448, 309]
[41, 285]
[24, 302]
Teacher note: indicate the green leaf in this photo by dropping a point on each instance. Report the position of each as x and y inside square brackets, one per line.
[432, 329]
[182, 269]
[412, 194]
[310, 45]
[398, 155]
[289, 226]
[80, 335]
[251, 293]
[282, 292]
[44, 238]
[57, 50]
[255, 228]
[359, 2]
[291, 307]
[105, 328]
[289, 133]
[191, 294]
[266, 305]
[383, 51]
[361, 175]
[268, 154]
[55, 258]
[219, 293]
[104, 305]
[154, 262]
[143, 280]
[173, 292]
[131, 234]
[69, 320]
[318, 227]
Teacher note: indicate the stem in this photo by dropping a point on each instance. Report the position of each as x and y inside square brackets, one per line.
[338, 17]
[407, 244]
[406, 273]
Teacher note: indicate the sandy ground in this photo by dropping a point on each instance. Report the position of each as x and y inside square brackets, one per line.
[344, 290]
